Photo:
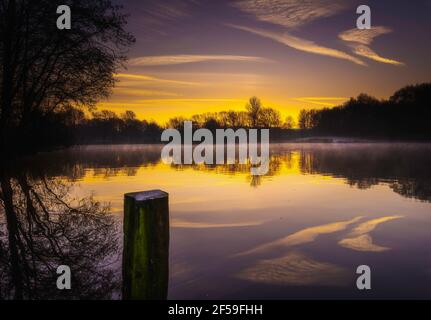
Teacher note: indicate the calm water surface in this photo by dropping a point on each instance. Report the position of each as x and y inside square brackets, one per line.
[298, 232]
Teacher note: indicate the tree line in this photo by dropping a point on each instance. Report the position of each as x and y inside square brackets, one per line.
[255, 115]
[405, 115]
[106, 126]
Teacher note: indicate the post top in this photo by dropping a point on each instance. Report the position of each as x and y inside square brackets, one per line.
[147, 195]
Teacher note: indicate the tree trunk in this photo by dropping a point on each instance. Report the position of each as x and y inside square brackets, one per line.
[7, 74]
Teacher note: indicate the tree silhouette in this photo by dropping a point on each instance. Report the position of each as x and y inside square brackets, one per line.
[254, 108]
[404, 116]
[269, 118]
[45, 70]
[289, 123]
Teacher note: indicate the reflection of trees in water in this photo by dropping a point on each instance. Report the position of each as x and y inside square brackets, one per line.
[405, 168]
[410, 188]
[105, 161]
[42, 228]
[274, 168]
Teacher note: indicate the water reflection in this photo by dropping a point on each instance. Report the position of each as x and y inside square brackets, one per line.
[320, 208]
[296, 269]
[303, 236]
[42, 227]
[360, 239]
[404, 167]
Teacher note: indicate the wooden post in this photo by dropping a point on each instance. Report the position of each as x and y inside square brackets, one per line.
[146, 245]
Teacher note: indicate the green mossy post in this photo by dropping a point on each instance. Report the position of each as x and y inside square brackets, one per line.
[146, 245]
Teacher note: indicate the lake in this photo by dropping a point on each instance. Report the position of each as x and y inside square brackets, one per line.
[298, 232]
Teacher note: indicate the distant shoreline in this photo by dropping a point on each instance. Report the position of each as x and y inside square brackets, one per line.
[317, 139]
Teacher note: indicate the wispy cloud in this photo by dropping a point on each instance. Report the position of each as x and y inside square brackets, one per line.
[367, 52]
[181, 59]
[301, 44]
[189, 100]
[154, 15]
[167, 11]
[291, 13]
[137, 92]
[360, 41]
[141, 77]
[296, 13]
[323, 101]
[365, 36]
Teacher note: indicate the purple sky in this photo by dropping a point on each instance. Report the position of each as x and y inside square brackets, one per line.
[195, 56]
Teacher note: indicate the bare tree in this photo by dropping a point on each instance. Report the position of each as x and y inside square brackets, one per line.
[254, 108]
[44, 69]
[289, 123]
[269, 118]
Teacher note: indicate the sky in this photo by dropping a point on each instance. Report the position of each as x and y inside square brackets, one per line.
[197, 56]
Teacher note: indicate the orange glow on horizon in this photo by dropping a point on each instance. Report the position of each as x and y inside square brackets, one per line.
[159, 96]
[161, 110]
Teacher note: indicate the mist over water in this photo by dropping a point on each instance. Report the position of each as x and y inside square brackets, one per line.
[299, 231]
